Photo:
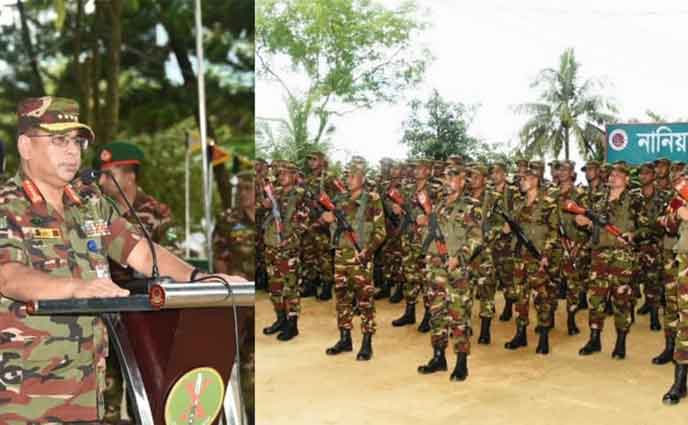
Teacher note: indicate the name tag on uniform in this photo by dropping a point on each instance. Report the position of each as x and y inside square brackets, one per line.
[42, 232]
[94, 228]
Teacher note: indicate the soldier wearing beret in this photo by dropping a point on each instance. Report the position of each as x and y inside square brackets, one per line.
[538, 214]
[285, 226]
[363, 210]
[412, 240]
[482, 268]
[317, 261]
[504, 196]
[612, 262]
[261, 175]
[662, 169]
[55, 240]
[391, 252]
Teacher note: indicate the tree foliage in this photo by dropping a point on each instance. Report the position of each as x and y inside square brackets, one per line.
[567, 107]
[438, 128]
[131, 65]
[332, 57]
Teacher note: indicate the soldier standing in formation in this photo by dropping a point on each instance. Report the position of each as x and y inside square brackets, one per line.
[284, 227]
[362, 209]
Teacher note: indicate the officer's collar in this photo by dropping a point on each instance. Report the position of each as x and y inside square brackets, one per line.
[33, 194]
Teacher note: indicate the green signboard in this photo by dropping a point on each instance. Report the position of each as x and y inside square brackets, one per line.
[638, 143]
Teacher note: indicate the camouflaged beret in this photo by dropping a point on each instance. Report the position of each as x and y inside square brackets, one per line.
[592, 164]
[537, 165]
[357, 163]
[554, 164]
[478, 169]
[622, 167]
[662, 159]
[571, 165]
[523, 162]
[499, 164]
[454, 169]
[316, 154]
[646, 166]
[55, 115]
[455, 159]
[117, 154]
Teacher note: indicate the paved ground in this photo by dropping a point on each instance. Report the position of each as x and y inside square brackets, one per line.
[296, 383]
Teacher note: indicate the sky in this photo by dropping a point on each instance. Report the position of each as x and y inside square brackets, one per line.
[489, 52]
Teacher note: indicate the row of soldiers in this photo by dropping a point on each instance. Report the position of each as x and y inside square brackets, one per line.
[450, 232]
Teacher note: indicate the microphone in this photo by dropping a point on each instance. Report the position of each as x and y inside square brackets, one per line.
[88, 176]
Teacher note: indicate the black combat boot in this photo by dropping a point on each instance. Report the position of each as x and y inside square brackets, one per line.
[519, 340]
[326, 291]
[571, 323]
[277, 325]
[507, 312]
[398, 294]
[561, 287]
[290, 330]
[424, 326]
[460, 372]
[654, 319]
[582, 301]
[366, 351]
[436, 363]
[344, 343]
[620, 346]
[308, 289]
[678, 388]
[609, 307]
[668, 354]
[594, 345]
[644, 309]
[383, 292]
[543, 340]
[484, 337]
[408, 318]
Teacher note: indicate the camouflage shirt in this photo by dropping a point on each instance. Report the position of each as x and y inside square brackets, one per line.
[156, 218]
[52, 368]
[366, 217]
[234, 243]
[294, 215]
[539, 220]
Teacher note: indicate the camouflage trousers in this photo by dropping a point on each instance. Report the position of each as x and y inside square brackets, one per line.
[611, 273]
[681, 350]
[414, 272]
[649, 273]
[392, 257]
[556, 274]
[352, 281]
[451, 303]
[574, 270]
[528, 278]
[670, 280]
[316, 258]
[114, 390]
[482, 275]
[283, 264]
[503, 260]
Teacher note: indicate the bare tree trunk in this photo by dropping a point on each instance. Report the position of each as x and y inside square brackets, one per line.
[566, 143]
[81, 70]
[95, 74]
[37, 87]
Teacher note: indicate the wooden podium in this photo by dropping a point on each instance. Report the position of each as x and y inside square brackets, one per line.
[159, 342]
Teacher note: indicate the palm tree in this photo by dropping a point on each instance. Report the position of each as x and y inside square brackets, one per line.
[566, 108]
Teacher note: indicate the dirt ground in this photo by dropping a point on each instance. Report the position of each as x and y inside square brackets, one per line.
[296, 383]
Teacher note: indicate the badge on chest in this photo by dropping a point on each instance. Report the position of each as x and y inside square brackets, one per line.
[95, 228]
[42, 233]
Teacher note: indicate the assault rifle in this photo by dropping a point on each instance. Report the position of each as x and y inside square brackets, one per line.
[522, 238]
[276, 215]
[598, 221]
[343, 225]
[398, 199]
[434, 230]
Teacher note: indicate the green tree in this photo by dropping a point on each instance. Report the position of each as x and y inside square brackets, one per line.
[130, 63]
[351, 54]
[567, 107]
[438, 128]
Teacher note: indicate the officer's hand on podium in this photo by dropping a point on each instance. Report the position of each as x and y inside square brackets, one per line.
[228, 278]
[97, 288]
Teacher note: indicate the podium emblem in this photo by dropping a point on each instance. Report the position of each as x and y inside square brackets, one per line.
[196, 398]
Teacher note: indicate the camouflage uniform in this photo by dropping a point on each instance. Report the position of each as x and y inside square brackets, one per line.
[352, 280]
[283, 259]
[317, 263]
[261, 271]
[681, 250]
[482, 271]
[540, 222]
[54, 367]
[503, 246]
[573, 240]
[391, 251]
